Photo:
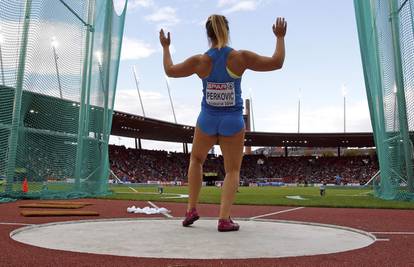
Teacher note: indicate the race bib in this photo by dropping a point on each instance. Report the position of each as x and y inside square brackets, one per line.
[220, 94]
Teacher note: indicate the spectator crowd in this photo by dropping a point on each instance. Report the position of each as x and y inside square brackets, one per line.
[141, 166]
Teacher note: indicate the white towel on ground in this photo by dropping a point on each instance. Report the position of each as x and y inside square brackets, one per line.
[147, 210]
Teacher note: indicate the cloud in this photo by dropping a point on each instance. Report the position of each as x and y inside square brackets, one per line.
[135, 49]
[236, 6]
[320, 120]
[222, 3]
[164, 16]
[128, 101]
[156, 105]
[173, 50]
[43, 38]
[147, 144]
[46, 38]
[132, 4]
[140, 3]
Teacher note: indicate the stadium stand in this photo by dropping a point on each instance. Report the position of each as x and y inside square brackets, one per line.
[141, 166]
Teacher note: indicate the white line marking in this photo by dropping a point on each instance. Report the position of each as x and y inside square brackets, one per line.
[351, 195]
[133, 189]
[178, 196]
[4, 223]
[382, 239]
[393, 233]
[362, 194]
[172, 195]
[155, 206]
[274, 213]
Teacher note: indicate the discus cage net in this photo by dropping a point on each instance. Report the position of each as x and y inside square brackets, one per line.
[386, 36]
[59, 63]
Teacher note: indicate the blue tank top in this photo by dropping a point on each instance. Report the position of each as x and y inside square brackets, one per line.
[221, 92]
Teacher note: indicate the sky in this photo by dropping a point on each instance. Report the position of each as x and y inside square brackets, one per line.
[322, 58]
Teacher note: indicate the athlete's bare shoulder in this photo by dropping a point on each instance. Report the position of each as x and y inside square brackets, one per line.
[205, 65]
[236, 62]
[235, 53]
[204, 59]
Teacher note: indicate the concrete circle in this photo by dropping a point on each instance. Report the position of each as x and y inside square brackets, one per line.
[163, 238]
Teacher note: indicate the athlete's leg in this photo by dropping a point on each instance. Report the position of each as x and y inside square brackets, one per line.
[202, 143]
[232, 149]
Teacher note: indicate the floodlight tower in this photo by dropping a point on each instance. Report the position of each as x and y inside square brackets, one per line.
[137, 85]
[394, 93]
[344, 93]
[169, 94]
[251, 108]
[54, 45]
[299, 98]
[99, 57]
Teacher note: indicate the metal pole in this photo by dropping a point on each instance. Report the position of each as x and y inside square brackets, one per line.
[139, 93]
[299, 115]
[14, 131]
[299, 98]
[169, 93]
[1, 66]
[344, 114]
[76, 15]
[394, 111]
[57, 71]
[251, 107]
[101, 74]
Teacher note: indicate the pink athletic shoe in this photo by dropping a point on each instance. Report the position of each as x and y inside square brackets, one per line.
[227, 225]
[190, 217]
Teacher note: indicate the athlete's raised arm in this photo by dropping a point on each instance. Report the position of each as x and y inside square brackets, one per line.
[187, 68]
[257, 62]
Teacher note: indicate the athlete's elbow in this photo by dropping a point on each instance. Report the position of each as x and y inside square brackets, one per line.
[170, 72]
[279, 64]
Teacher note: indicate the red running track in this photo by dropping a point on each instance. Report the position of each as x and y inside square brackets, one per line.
[395, 227]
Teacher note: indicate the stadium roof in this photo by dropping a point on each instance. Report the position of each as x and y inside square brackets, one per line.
[134, 126]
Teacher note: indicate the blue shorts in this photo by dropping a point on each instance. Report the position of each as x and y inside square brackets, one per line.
[220, 124]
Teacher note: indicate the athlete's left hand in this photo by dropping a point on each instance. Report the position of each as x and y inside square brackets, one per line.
[280, 27]
[165, 41]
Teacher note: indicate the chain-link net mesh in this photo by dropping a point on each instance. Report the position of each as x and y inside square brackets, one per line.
[386, 38]
[58, 71]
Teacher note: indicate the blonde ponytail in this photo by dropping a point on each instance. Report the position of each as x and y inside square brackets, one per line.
[218, 30]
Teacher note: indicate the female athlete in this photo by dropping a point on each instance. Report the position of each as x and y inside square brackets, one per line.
[221, 117]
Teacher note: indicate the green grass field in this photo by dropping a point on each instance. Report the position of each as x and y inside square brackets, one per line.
[335, 197]
[33, 186]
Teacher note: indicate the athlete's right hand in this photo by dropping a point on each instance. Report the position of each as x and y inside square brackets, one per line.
[165, 41]
[280, 27]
